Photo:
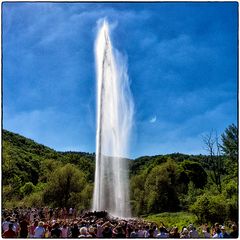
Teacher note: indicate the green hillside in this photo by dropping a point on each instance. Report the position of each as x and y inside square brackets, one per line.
[36, 175]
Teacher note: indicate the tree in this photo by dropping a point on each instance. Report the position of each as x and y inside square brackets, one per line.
[194, 172]
[210, 208]
[215, 160]
[64, 182]
[230, 142]
[160, 189]
[27, 188]
[138, 193]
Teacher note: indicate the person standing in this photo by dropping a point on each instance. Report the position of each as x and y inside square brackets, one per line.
[24, 228]
[234, 233]
[39, 231]
[9, 233]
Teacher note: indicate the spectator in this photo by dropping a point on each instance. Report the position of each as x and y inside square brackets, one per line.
[193, 232]
[5, 224]
[134, 233]
[217, 233]
[39, 231]
[162, 233]
[64, 230]
[174, 233]
[9, 233]
[223, 233]
[151, 233]
[56, 232]
[75, 231]
[206, 232]
[184, 233]
[24, 228]
[234, 233]
[84, 233]
[32, 228]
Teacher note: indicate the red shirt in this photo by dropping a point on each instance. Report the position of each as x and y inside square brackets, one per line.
[9, 234]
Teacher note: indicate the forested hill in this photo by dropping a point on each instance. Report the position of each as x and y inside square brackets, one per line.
[27, 160]
[25, 157]
[36, 175]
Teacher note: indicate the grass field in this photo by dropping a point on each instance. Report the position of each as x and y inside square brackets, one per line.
[169, 220]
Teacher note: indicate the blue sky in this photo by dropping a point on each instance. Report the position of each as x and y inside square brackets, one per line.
[182, 65]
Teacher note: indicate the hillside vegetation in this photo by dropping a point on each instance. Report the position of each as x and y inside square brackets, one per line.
[35, 175]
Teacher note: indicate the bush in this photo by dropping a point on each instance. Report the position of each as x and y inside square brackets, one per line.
[27, 188]
[64, 182]
[33, 200]
[210, 208]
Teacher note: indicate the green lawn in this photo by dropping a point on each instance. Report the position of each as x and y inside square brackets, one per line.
[170, 220]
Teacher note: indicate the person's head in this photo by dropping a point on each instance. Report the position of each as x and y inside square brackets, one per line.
[234, 227]
[191, 227]
[223, 229]
[83, 231]
[40, 224]
[91, 230]
[185, 231]
[175, 229]
[161, 229]
[75, 225]
[216, 225]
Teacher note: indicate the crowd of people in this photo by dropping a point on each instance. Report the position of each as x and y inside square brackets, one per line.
[68, 223]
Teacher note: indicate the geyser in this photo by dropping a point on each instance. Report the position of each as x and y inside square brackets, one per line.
[114, 122]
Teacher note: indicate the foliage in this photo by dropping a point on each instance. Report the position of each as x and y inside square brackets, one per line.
[210, 208]
[160, 188]
[215, 159]
[205, 187]
[168, 219]
[230, 142]
[193, 171]
[64, 182]
[27, 188]
[138, 193]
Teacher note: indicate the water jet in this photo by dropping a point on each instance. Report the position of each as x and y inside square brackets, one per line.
[114, 122]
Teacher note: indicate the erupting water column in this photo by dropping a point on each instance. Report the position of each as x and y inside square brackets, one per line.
[114, 122]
